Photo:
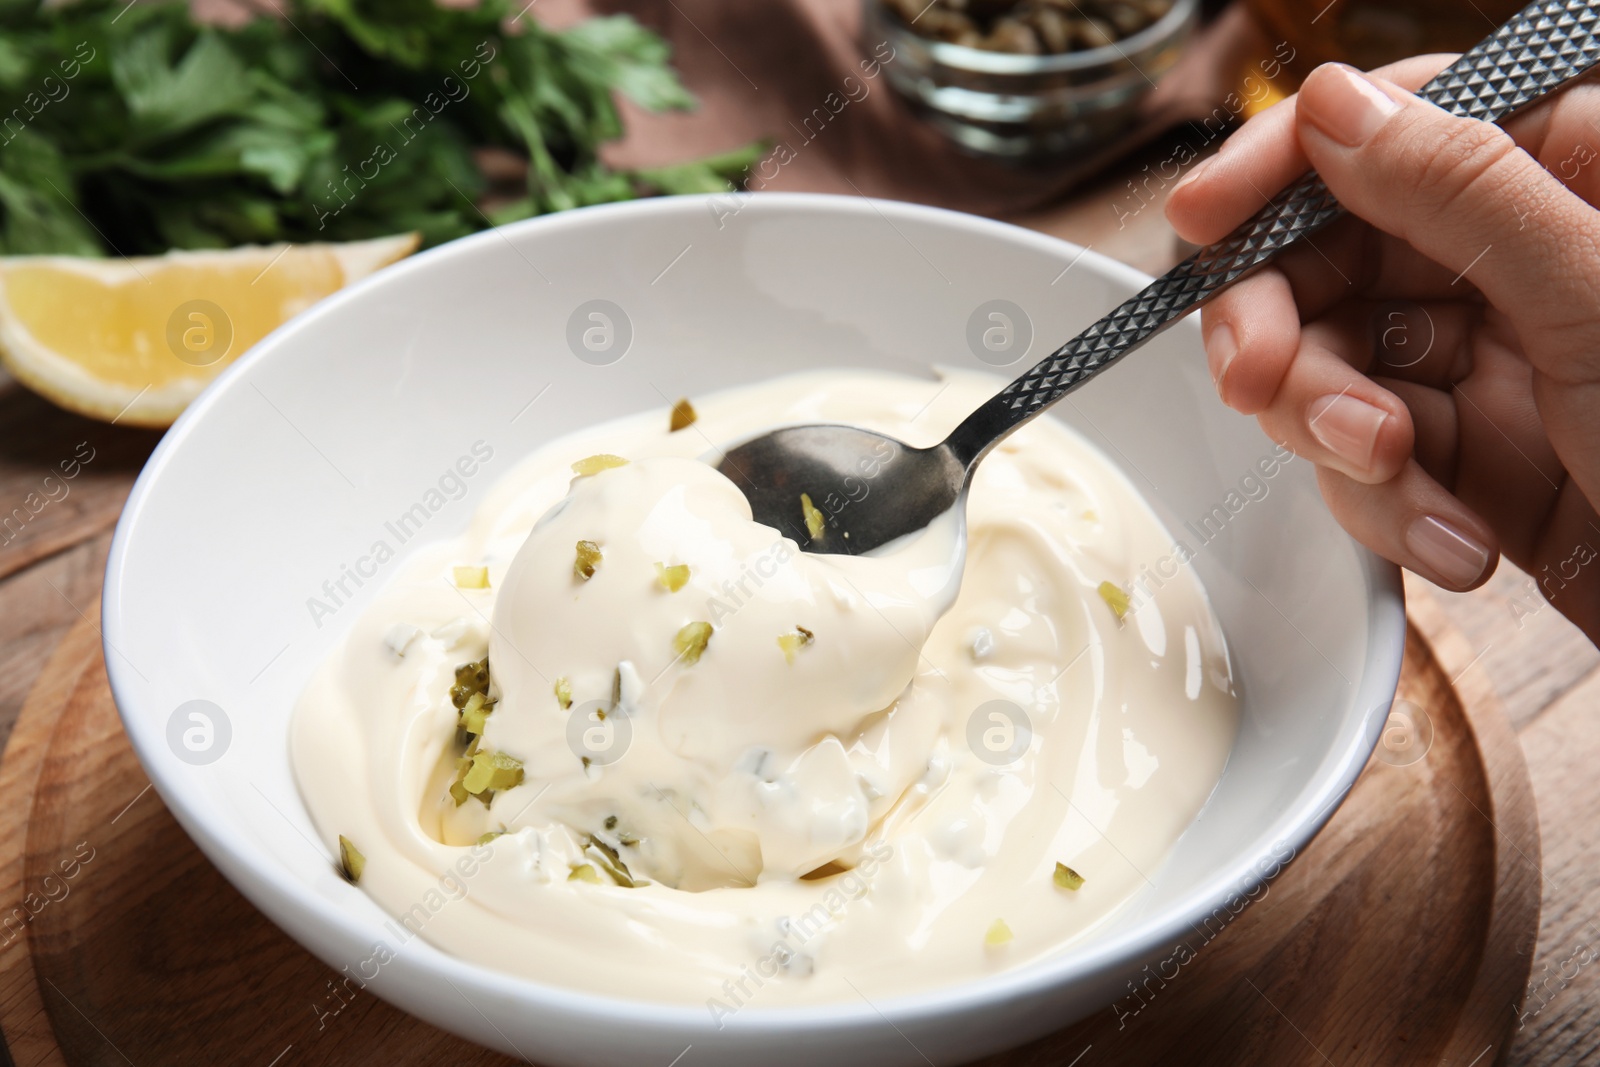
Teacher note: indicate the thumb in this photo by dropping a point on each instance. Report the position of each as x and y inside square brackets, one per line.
[1463, 194]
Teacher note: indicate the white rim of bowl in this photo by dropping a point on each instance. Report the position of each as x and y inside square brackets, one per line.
[275, 891]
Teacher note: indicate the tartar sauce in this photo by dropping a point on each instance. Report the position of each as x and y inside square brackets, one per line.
[717, 770]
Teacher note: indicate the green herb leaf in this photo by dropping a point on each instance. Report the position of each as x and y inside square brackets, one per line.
[619, 52]
[133, 130]
[39, 219]
[165, 98]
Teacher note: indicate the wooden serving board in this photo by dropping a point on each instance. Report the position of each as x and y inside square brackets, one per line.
[1401, 935]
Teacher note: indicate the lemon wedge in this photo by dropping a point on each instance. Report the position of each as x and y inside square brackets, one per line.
[134, 340]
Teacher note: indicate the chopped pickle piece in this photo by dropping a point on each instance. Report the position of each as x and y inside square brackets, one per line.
[608, 860]
[1067, 878]
[814, 519]
[611, 822]
[1115, 599]
[691, 642]
[475, 713]
[794, 641]
[563, 689]
[584, 872]
[470, 678]
[458, 791]
[490, 772]
[683, 415]
[588, 559]
[507, 771]
[481, 774]
[470, 577]
[623, 697]
[672, 578]
[595, 464]
[999, 934]
[351, 861]
[484, 839]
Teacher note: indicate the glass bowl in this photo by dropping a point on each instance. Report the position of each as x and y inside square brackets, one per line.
[1010, 106]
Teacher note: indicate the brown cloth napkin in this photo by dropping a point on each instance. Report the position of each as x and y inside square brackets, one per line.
[760, 67]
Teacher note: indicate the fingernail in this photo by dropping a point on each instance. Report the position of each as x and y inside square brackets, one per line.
[1346, 106]
[1347, 427]
[1446, 551]
[1222, 344]
[1194, 173]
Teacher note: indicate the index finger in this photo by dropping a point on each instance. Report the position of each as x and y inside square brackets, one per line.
[1261, 159]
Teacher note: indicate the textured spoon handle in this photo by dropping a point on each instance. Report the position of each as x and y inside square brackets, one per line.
[1548, 44]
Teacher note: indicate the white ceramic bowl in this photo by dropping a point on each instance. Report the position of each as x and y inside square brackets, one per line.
[285, 470]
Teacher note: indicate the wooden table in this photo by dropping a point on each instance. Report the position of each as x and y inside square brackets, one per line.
[53, 548]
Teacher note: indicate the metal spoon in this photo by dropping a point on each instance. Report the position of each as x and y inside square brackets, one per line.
[871, 489]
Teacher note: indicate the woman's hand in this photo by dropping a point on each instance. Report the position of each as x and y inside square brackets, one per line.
[1437, 355]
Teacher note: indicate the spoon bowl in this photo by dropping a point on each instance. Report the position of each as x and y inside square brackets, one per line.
[864, 488]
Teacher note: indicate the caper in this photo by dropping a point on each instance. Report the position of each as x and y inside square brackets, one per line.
[1053, 29]
[1096, 33]
[1029, 27]
[1012, 35]
[1126, 18]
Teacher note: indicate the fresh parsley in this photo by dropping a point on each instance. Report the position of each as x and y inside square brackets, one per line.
[132, 129]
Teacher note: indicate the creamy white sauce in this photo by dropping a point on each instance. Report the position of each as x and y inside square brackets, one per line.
[928, 758]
